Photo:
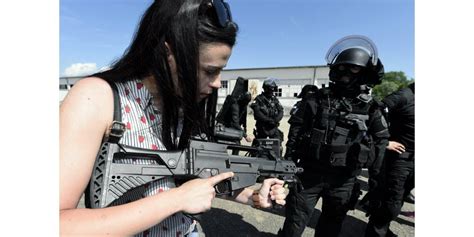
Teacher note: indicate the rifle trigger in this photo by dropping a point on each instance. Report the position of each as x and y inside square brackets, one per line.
[224, 187]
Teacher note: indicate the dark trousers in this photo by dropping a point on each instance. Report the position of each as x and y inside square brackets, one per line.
[399, 177]
[335, 190]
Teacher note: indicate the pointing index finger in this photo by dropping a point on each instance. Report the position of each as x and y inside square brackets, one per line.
[222, 176]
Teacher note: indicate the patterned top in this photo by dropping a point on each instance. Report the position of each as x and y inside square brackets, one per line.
[143, 123]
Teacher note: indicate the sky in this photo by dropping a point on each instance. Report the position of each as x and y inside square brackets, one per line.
[272, 33]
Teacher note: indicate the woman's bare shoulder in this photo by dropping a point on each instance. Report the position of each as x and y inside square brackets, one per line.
[92, 85]
[91, 95]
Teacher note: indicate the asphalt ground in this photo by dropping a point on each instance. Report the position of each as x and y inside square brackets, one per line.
[232, 219]
[228, 218]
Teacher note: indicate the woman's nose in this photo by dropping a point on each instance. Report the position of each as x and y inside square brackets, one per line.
[216, 83]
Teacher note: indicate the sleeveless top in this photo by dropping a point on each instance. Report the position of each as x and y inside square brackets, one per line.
[143, 122]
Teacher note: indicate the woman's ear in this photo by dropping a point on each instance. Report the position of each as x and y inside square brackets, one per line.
[171, 63]
[170, 57]
[168, 50]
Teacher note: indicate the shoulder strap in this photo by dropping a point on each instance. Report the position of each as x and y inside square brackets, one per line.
[117, 128]
[117, 108]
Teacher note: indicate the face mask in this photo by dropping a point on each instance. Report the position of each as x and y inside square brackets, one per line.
[345, 73]
[346, 78]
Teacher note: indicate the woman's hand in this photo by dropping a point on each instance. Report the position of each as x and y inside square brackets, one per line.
[197, 194]
[395, 146]
[272, 189]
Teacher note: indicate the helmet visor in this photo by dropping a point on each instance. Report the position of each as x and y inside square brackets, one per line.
[352, 41]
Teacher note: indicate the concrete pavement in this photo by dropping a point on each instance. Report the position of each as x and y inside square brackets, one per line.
[231, 219]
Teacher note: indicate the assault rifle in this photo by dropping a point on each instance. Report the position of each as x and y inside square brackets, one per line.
[110, 179]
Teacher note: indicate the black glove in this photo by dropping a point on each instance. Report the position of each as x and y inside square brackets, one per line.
[375, 73]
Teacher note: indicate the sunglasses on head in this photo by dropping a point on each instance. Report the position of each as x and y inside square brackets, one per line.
[222, 11]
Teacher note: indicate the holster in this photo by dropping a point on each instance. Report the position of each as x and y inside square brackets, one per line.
[355, 194]
[316, 139]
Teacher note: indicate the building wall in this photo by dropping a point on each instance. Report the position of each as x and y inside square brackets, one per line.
[290, 80]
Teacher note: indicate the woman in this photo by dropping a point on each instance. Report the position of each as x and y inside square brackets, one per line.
[164, 80]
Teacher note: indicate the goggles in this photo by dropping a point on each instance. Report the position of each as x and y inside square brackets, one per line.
[222, 10]
[348, 69]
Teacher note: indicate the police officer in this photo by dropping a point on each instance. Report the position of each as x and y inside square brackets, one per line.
[233, 114]
[343, 131]
[398, 171]
[267, 112]
[296, 120]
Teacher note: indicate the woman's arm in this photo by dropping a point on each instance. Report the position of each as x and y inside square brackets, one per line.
[85, 115]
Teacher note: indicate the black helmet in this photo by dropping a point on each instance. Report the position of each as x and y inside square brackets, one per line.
[306, 89]
[269, 85]
[359, 51]
[353, 56]
[241, 86]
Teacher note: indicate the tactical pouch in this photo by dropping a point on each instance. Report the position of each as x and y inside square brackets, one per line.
[316, 139]
[359, 155]
[317, 136]
[364, 154]
[337, 154]
[340, 135]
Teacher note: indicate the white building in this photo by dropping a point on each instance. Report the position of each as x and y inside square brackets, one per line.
[290, 80]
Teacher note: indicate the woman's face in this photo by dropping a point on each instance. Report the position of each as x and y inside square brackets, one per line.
[213, 58]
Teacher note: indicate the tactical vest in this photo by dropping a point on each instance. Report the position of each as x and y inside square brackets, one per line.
[269, 106]
[338, 136]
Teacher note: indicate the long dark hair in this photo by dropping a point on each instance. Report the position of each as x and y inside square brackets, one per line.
[184, 25]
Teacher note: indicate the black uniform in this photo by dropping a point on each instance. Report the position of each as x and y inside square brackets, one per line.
[231, 121]
[398, 172]
[334, 157]
[342, 131]
[295, 121]
[268, 113]
[308, 92]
